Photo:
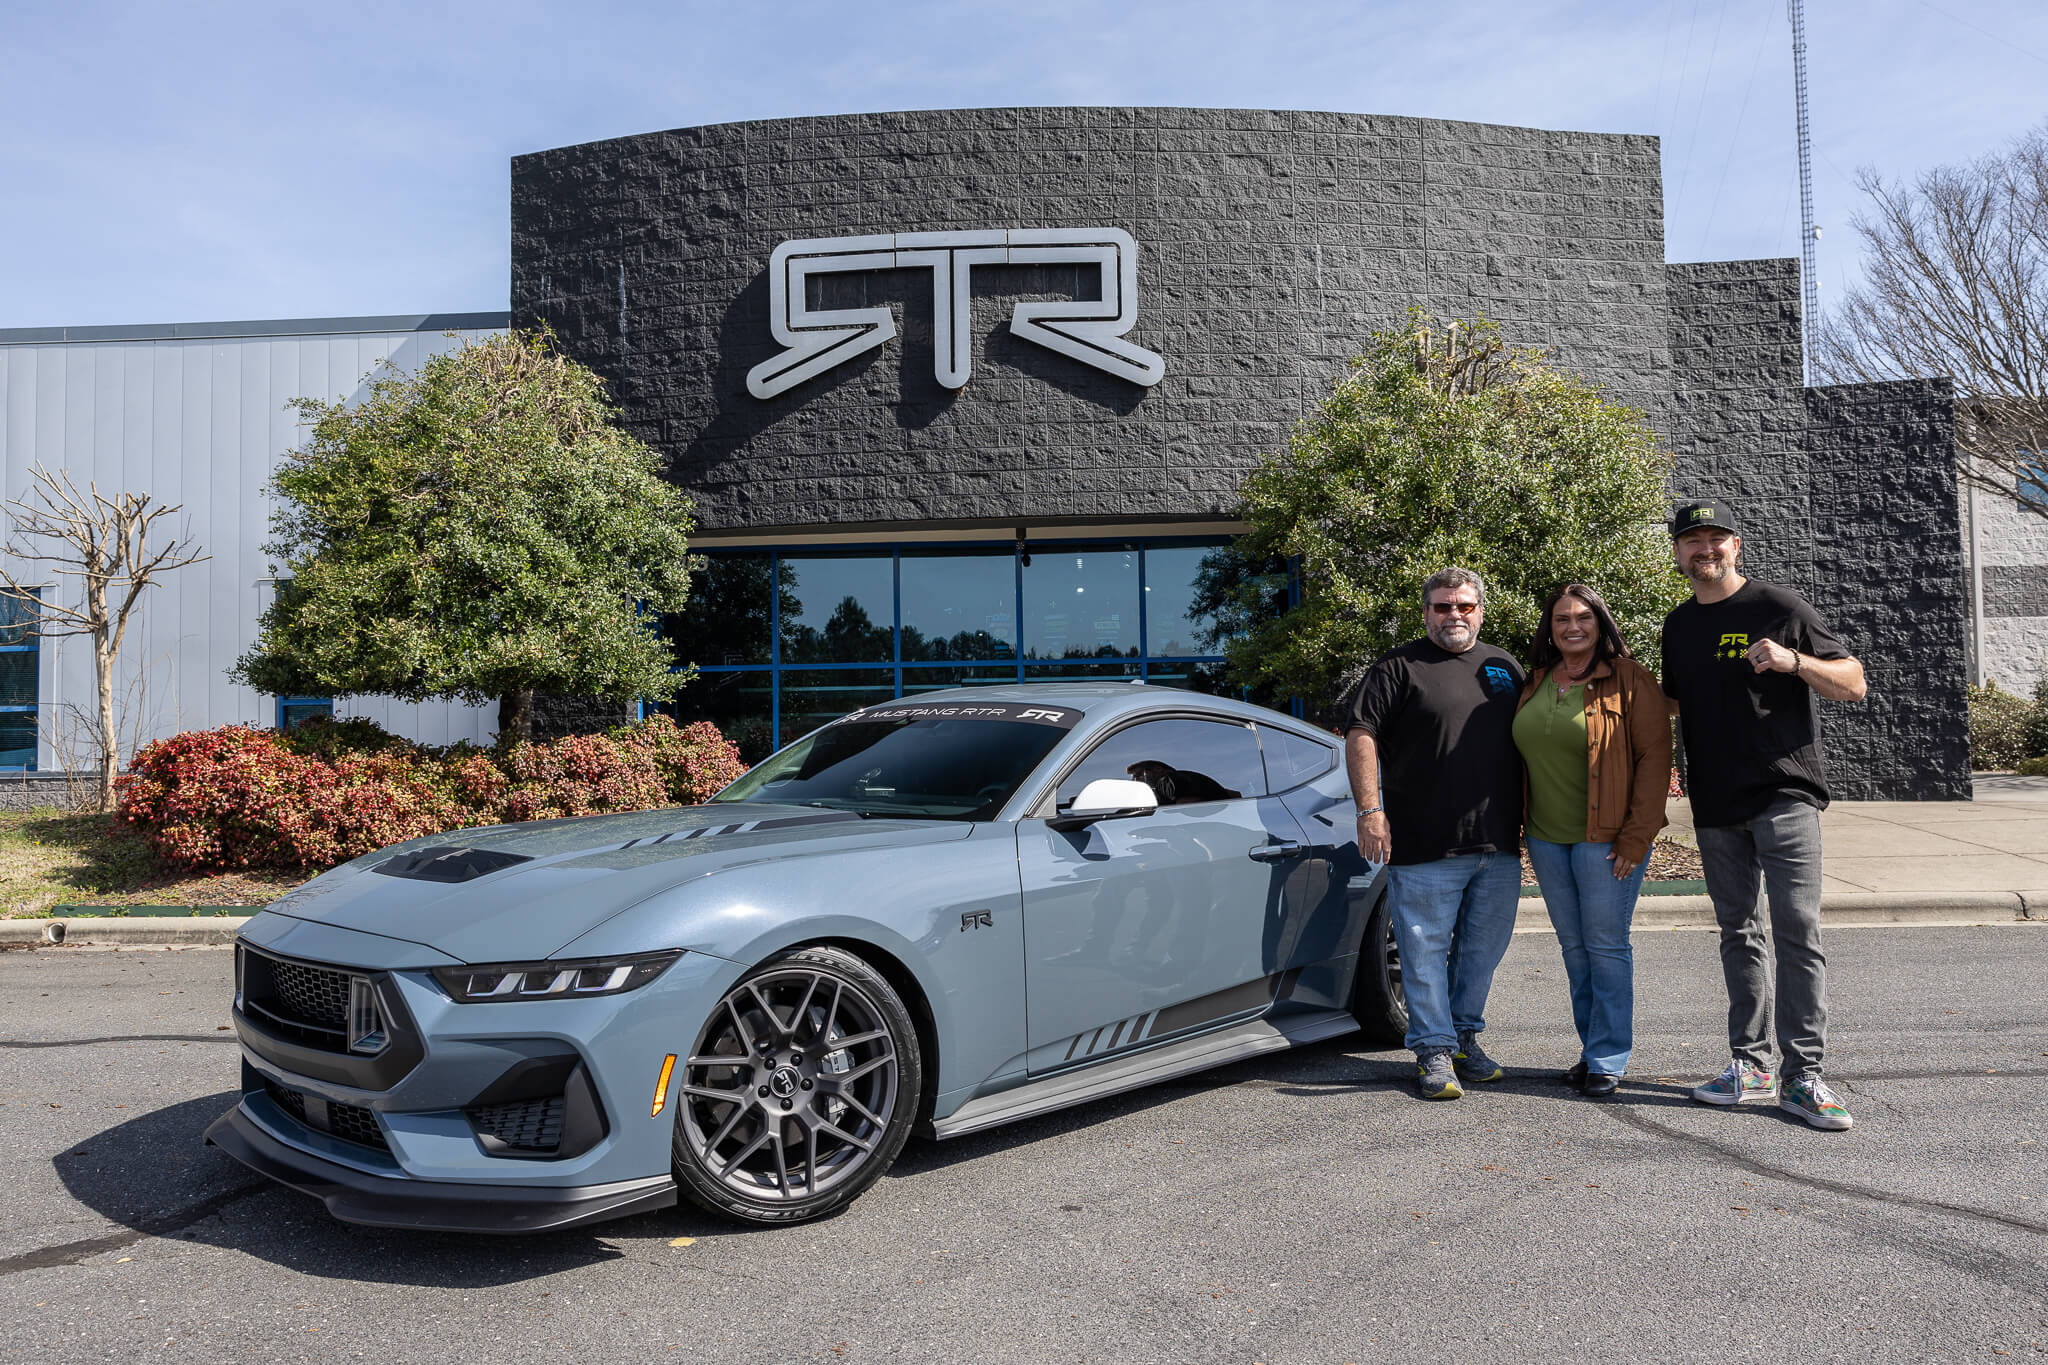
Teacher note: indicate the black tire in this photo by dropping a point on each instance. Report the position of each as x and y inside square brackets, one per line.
[1378, 1002]
[817, 1099]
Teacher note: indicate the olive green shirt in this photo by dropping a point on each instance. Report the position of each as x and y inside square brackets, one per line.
[1550, 730]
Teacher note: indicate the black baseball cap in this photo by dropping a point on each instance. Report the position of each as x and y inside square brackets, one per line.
[1690, 516]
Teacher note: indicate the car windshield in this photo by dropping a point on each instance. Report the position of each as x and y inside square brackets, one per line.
[919, 762]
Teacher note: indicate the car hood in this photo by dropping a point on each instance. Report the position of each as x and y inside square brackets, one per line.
[577, 873]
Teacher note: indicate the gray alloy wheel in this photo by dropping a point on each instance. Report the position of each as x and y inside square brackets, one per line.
[799, 1090]
[1378, 1001]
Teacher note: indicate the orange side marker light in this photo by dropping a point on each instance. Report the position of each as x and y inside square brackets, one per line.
[668, 1066]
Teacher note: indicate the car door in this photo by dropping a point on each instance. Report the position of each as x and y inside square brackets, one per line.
[1138, 928]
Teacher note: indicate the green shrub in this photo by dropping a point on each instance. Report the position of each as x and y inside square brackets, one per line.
[2001, 728]
[236, 797]
[2033, 767]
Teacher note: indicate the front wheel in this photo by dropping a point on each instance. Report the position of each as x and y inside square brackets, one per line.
[799, 1091]
[1378, 1002]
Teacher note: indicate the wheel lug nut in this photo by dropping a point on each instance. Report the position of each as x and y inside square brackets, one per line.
[785, 1104]
[764, 1092]
[807, 1085]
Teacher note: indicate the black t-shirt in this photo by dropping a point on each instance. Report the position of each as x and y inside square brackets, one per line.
[1750, 737]
[1443, 723]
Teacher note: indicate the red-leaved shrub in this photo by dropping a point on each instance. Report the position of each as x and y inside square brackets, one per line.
[238, 797]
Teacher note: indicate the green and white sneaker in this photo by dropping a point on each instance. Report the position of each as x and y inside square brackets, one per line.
[1741, 1081]
[1439, 1078]
[1471, 1061]
[1810, 1098]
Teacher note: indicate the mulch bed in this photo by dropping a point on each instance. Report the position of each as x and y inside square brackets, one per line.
[1670, 861]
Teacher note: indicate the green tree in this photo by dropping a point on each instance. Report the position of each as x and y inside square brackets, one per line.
[1445, 445]
[479, 530]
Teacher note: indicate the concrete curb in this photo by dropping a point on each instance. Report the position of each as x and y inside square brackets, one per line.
[140, 931]
[1862, 910]
[1847, 910]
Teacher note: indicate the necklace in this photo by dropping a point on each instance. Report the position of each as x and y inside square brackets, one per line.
[1566, 680]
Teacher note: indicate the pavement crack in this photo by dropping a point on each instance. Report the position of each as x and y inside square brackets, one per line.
[1737, 1157]
[71, 1253]
[121, 1038]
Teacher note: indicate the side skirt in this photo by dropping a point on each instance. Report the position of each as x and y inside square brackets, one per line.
[1135, 1070]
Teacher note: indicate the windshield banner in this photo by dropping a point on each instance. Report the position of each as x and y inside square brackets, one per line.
[1063, 717]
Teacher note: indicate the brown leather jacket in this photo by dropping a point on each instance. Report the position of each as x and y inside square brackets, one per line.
[1628, 755]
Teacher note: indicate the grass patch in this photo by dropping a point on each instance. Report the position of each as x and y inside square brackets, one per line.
[51, 858]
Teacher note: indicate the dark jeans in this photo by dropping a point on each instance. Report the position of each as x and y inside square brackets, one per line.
[1780, 848]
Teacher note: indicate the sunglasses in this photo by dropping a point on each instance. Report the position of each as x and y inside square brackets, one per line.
[1446, 608]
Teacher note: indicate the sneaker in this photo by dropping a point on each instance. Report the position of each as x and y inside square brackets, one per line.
[1741, 1081]
[1472, 1063]
[1810, 1098]
[1439, 1077]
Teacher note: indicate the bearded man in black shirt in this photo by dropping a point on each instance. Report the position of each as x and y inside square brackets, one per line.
[1431, 731]
[1742, 662]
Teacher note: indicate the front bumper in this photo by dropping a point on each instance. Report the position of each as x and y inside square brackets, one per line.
[356, 1196]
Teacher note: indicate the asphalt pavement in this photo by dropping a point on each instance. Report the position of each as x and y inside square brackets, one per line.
[1305, 1207]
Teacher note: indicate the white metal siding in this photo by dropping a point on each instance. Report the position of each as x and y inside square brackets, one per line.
[200, 422]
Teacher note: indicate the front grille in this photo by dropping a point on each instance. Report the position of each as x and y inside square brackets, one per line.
[523, 1125]
[310, 995]
[353, 1124]
[349, 1122]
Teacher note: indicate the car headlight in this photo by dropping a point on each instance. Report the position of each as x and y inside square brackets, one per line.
[567, 980]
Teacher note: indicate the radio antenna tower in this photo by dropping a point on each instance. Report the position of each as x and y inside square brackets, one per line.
[1809, 233]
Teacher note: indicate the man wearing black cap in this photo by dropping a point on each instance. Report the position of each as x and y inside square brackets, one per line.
[1742, 662]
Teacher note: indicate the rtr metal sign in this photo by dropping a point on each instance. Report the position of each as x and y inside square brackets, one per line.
[1088, 330]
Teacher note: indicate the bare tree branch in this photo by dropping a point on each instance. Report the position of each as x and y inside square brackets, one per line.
[105, 540]
[1956, 284]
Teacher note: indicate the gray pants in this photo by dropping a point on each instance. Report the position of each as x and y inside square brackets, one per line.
[1783, 845]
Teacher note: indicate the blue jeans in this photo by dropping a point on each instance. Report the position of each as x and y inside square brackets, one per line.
[1591, 912]
[1452, 920]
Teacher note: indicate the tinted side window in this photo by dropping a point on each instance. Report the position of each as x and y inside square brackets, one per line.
[1291, 759]
[1185, 761]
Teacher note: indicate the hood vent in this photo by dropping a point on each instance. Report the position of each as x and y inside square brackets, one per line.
[448, 863]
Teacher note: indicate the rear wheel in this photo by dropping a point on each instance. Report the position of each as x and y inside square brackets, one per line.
[1377, 999]
[799, 1091]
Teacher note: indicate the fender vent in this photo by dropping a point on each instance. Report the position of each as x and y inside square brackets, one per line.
[448, 863]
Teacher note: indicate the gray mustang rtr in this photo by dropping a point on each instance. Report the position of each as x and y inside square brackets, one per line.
[940, 914]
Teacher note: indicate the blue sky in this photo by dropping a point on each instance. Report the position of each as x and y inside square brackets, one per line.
[199, 162]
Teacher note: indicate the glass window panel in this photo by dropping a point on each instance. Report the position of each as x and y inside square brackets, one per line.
[18, 678]
[17, 739]
[1293, 759]
[296, 712]
[15, 617]
[1081, 604]
[726, 619]
[1198, 597]
[739, 704]
[813, 696]
[1079, 671]
[960, 606]
[961, 675]
[1186, 762]
[840, 609]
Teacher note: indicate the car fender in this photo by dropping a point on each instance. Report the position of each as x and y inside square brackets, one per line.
[952, 917]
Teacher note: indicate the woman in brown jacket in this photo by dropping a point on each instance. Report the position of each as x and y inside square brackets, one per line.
[1596, 743]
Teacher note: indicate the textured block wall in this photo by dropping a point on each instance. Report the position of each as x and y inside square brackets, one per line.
[1847, 495]
[1271, 245]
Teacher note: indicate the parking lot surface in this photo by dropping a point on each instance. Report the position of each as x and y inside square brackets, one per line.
[1303, 1207]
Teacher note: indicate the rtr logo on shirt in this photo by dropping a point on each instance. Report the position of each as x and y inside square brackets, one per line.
[1498, 679]
[1732, 646]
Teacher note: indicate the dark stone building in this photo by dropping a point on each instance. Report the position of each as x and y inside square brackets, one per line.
[1268, 245]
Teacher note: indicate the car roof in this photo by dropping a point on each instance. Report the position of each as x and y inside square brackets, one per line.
[1107, 700]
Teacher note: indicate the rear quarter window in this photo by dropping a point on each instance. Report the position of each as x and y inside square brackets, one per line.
[1293, 759]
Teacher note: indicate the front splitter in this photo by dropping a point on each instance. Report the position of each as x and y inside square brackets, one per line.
[433, 1205]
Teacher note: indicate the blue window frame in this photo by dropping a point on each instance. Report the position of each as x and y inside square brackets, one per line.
[784, 640]
[20, 674]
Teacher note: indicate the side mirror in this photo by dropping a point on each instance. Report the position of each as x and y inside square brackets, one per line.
[1106, 798]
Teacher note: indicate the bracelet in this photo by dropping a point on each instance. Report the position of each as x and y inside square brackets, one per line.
[1795, 663]
[1364, 811]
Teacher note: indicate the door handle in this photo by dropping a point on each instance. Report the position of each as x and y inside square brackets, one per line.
[1273, 853]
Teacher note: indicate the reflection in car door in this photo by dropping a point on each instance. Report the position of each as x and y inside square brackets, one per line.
[1142, 927]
